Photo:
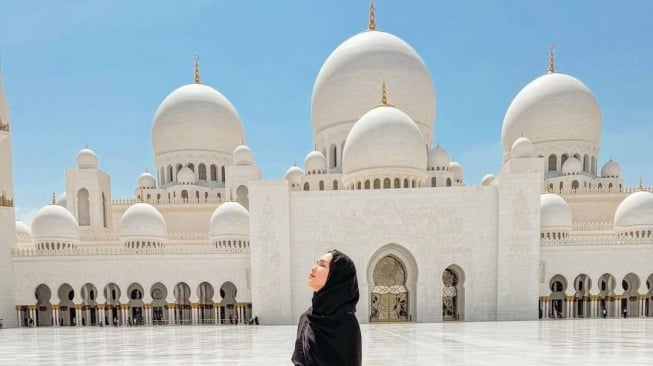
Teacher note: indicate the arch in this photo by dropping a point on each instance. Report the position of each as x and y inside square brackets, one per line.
[392, 278]
[307, 187]
[321, 185]
[177, 169]
[577, 156]
[184, 195]
[104, 211]
[574, 184]
[593, 165]
[582, 301]
[367, 184]
[206, 310]
[335, 185]
[112, 305]
[433, 182]
[90, 314]
[201, 172]
[558, 288]
[333, 156]
[453, 293]
[406, 183]
[161, 177]
[83, 208]
[159, 293]
[214, 172]
[67, 312]
[222, 174]
[182, 312]
[648, 304]
[136, 313]
[377, 183]
[43, 307]
[448, 182]
[606, 286]
[228, 313]
[397, 183]
[170, 176]
[386, 183]
[553, 163]
[630, 297]
[586, 164]
[242, 196]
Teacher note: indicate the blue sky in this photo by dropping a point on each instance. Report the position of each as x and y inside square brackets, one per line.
[80, 73]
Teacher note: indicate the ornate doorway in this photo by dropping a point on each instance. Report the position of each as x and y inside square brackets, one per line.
[389, 298]
[453, 294]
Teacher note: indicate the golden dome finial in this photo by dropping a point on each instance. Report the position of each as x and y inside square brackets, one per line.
[372, 24]
[641, 184]
[197, 69]
[384, 94]
[231, 195]
[54, 199]
[552, 65]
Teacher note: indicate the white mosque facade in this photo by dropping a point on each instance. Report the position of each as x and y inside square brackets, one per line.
[207, 240]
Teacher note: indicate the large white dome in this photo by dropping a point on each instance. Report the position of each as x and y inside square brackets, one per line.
[315, 163]
[384, 141]
[555, 214]
[55, 224]
[635, 212]
[439, 159]
[87, 159]
[146, 180]
[229, 220]
[611, 169]
[143, 222]
[196, 117]
[553, 107]
[347, 85]
[23, 233]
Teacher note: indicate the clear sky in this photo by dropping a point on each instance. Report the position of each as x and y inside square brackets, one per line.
[93, 73]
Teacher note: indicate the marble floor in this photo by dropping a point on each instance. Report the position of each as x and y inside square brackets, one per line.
[556, 342]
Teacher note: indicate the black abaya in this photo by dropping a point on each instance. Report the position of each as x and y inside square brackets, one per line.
[328, 332]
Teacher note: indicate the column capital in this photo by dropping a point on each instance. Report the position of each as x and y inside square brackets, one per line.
[19, 307]
[217, 304]
[172, 305]
[569, 298]
[32, 307]
[101, 306]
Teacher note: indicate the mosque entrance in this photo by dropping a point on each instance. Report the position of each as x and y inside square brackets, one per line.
[389, 298]
[453, 294]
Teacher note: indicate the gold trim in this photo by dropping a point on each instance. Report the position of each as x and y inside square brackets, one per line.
[372, 22]
[552, 66]
[197, 69]
[4, 127]
[6, 202]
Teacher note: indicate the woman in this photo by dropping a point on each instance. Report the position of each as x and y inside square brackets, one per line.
[328, 332]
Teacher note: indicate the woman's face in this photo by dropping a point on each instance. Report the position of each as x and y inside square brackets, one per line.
[320, 272]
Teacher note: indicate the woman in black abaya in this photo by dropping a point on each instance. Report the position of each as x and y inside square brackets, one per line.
[328, 332]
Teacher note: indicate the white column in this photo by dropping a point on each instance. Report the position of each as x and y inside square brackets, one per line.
[171, 316]
[20, 321]
[78, 316]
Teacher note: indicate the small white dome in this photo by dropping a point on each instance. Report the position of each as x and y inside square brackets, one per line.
[196, 117]
[61, 200]
[457, 171]
[635, 212]
[384, 141]
[229, 220]
[348, 83]
[186, 176]
[294, 175]
[55, 224]
[146, 180]
[572, 166]
[23, 232]
[487, 179]
[522, 148]
[552, 107]
[86, 159]
[143, 222]
[243, 155]
[439, 159]
[315, 163]
[611, 169]
[555, 214]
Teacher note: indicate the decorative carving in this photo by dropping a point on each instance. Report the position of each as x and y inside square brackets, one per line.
[5, 201]
[4, 127]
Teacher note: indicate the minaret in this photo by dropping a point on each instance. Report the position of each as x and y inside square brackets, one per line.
[7, 218]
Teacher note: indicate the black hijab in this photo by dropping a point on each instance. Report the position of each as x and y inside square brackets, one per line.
[328, 332]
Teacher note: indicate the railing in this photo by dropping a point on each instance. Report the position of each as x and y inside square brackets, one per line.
[166, 201]
[592, 226]
[595, 240]
[120, 250]
[606, 190]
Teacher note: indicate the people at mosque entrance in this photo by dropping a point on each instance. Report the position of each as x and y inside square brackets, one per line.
[328, 332]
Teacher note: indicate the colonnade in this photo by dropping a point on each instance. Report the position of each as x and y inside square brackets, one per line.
[612, 306]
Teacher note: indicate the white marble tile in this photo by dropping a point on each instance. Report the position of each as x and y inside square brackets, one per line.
[561, 342]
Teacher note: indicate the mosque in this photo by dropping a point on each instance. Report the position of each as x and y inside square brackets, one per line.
[206, 240]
